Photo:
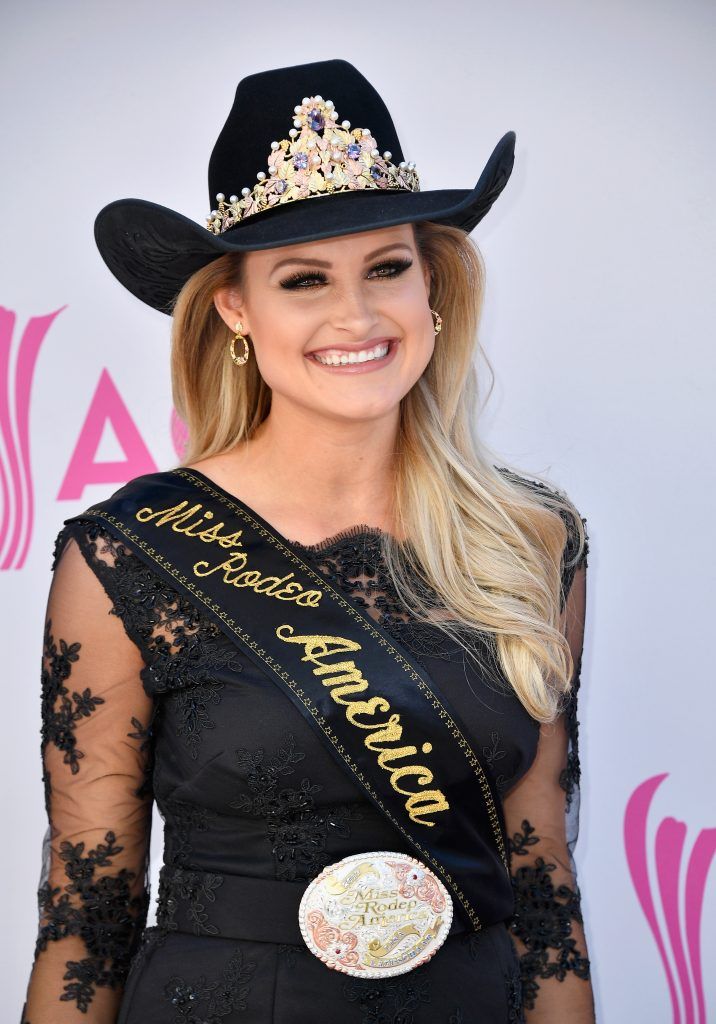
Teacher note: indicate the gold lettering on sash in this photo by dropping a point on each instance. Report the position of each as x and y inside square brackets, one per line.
[436, 802]
[233, 567]
[366, 707]
[238, 557]
[425, 776]
[175, 514]
[389, 731]
[345, 678]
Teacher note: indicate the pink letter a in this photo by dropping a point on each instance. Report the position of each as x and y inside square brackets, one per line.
[106, 405]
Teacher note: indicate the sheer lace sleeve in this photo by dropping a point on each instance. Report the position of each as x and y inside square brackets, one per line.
[541, 814]
[93, 891]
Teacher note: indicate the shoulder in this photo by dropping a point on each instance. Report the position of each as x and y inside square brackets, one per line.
[95, 522]
[550, 492]
[140, 487]
[576, 546]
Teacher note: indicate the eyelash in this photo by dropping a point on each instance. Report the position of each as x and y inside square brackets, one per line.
[294, 281]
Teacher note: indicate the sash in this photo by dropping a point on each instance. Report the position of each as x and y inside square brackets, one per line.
[378, 712]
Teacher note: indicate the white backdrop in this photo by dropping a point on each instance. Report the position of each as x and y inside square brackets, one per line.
[599, 323]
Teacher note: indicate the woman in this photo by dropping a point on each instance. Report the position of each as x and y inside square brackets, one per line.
[333, 499]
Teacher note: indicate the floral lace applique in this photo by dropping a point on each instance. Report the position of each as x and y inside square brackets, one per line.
[183, 650]
[108, 918]
[60, 713]
[542, 920]
[103, 913]
[570, 776]
[492, 753]
[181, 647]
[146, 747]
[185, 819]
[514, 999]
[200, 1001]
[196, 889]
[192, 711]
[393, 1000]
[353, 561]
[296, 827]
[290, 955]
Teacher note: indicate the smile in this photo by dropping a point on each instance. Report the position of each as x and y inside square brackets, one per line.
[352, 362]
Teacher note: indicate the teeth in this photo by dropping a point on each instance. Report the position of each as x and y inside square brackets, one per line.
[341, 358]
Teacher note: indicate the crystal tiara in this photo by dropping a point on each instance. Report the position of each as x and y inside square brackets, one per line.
[320, 157]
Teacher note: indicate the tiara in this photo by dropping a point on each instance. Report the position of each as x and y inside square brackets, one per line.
[320, 157]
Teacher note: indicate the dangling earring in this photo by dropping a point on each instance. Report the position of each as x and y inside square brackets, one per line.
[239, 360]
[438, 322]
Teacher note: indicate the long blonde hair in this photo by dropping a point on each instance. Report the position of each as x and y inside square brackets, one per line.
[487, 540]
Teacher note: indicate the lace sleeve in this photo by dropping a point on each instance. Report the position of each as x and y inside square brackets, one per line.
[541, 814]
[93, 890]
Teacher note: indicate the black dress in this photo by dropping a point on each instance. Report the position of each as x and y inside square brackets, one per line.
[144, 699]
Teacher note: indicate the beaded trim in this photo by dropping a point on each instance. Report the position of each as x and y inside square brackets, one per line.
[320, 157]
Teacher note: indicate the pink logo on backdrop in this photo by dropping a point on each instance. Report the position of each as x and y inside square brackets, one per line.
[106, 407]
[18, 508]
[679, 939]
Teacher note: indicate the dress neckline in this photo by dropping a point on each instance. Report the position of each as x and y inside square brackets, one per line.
[350, 533]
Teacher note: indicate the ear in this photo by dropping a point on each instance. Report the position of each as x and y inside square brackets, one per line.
[230, 308]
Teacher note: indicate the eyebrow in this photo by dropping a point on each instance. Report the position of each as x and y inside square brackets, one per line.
[323, 263]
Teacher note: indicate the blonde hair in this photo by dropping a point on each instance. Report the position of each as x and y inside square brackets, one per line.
[489, 542]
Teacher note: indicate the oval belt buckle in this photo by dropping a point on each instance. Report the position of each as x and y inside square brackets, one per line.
[376, 914]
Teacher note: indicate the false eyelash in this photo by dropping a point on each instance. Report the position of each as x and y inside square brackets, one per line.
[317, 275]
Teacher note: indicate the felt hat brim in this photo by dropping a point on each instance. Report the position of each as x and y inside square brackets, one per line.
[153, 250]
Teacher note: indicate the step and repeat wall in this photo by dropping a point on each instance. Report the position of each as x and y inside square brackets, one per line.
[599, 325]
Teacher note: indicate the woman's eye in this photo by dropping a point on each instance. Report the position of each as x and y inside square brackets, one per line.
[301, 280]
[305, 281]
[395, 266]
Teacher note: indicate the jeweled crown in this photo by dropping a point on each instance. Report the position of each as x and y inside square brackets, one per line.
[320, 157]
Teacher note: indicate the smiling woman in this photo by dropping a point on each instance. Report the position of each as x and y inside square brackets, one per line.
[400, 741]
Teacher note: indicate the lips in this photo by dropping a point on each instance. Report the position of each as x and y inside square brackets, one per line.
[332, 349]
[345, 365]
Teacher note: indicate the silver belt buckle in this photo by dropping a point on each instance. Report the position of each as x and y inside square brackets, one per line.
[375, 914]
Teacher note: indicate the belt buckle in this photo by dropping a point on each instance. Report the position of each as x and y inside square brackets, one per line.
[375, 915]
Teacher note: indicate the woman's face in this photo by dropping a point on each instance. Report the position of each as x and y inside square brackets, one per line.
[308, 307]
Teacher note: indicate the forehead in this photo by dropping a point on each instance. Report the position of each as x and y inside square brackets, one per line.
[338, 248]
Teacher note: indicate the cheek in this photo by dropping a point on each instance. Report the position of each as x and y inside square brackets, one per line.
[416, 322]
[282, 333]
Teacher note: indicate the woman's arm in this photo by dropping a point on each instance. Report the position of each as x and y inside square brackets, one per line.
[96, 756]
[547, 925]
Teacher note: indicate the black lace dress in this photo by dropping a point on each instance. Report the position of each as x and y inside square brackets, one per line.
[144, 699]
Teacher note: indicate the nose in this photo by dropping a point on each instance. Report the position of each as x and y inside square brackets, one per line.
[353, 312]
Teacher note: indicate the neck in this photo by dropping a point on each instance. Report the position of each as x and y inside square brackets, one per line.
[341, 472]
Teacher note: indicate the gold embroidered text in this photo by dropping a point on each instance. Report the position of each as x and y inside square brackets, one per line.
[345, 679]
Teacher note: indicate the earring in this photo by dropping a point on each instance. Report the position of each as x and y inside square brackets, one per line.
[438, 322]
[239, 360]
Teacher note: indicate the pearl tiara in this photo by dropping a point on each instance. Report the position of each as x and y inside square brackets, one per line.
[320, 157]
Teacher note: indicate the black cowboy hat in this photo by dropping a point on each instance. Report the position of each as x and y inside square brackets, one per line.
[153, 250]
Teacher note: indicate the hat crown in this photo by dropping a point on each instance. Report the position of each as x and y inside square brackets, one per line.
[263, 111]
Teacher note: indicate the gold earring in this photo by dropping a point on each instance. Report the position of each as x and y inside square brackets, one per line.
[239, 360]
[438, 322]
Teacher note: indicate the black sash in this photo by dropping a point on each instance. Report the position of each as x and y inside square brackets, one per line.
[377, 711]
